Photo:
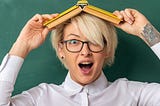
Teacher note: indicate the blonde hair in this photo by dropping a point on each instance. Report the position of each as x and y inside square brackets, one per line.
[95, 30]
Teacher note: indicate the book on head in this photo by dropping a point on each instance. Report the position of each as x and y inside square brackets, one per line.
[82, 5]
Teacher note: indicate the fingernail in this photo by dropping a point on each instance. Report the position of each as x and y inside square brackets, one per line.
[130, 22]
[120, 16]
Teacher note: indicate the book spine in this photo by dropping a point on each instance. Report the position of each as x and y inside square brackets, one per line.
[60, 15]
[64, 18]
[102, 14]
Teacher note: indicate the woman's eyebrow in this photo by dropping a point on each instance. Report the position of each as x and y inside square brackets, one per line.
[74, 35]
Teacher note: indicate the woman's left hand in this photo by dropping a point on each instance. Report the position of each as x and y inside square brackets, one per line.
[133, 21]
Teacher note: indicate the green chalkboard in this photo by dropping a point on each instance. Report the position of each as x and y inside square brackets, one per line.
[134, 59]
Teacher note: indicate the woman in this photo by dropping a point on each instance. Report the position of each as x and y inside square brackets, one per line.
[84, 44]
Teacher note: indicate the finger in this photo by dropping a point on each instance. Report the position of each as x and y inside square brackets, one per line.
[38, 17]
[118, 14]
[45, 32]
[49, 16]
[129, 14]
[126, 18]
[54, 15]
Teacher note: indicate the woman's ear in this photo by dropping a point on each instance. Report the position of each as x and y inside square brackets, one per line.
[60, 50]
[107, 55]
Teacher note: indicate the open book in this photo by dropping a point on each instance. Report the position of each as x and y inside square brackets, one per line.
[82, 5]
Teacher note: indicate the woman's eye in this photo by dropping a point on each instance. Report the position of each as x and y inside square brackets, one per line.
[73, 42]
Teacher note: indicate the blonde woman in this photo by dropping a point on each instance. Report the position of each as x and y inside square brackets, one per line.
[84, 44]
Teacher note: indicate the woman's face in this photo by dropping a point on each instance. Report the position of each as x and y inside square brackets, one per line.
[84, 66]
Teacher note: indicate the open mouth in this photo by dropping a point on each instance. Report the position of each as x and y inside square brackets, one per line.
[85, 66]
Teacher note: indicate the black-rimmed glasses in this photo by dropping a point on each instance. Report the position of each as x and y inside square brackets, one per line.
[75, 46]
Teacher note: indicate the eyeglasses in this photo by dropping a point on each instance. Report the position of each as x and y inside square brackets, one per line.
[75, 46]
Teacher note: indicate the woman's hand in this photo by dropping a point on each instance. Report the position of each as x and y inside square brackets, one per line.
[133, 21]
[137, 24]
[32, 35]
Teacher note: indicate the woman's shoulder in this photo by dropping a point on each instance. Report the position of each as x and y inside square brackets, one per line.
[44, 89]
[127, 83]
[134, 87]
[49, 86]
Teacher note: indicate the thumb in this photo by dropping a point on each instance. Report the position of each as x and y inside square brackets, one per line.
[45, 32]
[120, 16]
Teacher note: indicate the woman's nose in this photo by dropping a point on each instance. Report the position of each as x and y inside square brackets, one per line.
[85, 50]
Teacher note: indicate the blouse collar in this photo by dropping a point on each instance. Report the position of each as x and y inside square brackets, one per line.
[73, 87]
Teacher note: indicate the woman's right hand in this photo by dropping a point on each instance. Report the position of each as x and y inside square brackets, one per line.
[32, 35]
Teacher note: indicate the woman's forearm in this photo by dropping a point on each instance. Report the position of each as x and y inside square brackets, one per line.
[150, 35]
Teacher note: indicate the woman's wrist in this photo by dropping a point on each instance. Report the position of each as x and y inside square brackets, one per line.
[19, 49]
[150, 35]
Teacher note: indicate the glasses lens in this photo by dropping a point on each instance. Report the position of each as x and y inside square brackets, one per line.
[95, 47]
[73, 45]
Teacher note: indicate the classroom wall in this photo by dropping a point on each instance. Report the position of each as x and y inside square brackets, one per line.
[134, 60]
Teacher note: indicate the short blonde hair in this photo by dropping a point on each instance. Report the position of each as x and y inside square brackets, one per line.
[95, 30]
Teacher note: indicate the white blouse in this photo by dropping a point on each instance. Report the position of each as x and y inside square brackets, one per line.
[99, 93]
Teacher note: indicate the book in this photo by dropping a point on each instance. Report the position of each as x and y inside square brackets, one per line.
[82, 5]
[102, 14]
[71, 12]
